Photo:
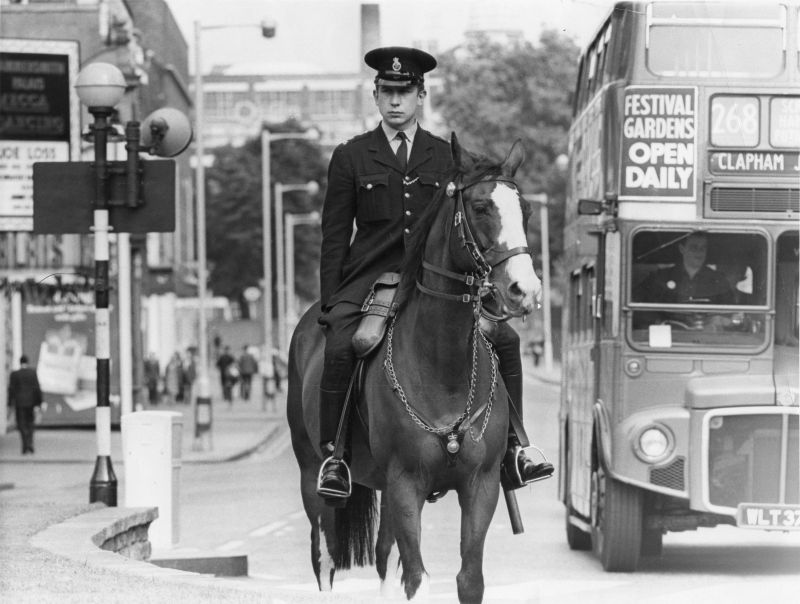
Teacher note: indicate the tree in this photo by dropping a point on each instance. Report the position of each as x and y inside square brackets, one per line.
[234, 212]
[495, 93]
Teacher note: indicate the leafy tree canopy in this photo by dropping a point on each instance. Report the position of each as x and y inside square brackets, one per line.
[495, 93]
[234, 211]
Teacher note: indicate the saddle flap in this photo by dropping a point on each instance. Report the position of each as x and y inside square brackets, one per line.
[378, 307]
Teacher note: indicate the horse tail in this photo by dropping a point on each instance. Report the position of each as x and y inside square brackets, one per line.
[355, 529]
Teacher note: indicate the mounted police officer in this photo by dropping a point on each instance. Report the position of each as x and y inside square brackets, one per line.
[382, 180]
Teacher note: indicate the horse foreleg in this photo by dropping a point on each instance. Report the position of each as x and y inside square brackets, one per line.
[405, 503]
[478, 501]
[387, 558]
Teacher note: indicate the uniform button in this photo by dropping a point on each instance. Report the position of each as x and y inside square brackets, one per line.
[408, 212]
[369, 186]
[407, 231]
[407, 195]
[437, 183]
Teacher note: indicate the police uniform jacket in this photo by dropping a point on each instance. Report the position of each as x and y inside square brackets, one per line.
[366, 184]
[23, 388]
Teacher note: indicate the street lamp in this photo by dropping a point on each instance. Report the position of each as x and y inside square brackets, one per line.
[312, 188]
[293, 220]
[203, 385]
[544, 219]
[267, 138]
[100, 86]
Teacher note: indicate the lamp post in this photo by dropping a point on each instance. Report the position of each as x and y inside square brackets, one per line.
[100, 86]
[311, 188]
[544, 219]
[267, 138]
[203, 386]
[293, 220]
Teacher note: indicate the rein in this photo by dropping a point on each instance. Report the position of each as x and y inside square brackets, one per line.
[454, 431]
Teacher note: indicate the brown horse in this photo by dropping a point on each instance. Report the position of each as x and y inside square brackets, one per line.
[432, 412]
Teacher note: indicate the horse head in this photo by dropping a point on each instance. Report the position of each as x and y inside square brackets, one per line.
[488, 231]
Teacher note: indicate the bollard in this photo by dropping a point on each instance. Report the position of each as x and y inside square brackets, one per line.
[151, 447]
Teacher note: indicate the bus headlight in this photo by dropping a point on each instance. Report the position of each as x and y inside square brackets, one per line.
[654, 444]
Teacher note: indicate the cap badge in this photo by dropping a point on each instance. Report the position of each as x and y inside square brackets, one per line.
[396, 66]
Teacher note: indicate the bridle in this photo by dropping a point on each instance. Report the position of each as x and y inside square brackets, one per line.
[483, 260]
[478, 288]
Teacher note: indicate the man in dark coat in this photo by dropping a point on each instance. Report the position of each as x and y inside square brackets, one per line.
[24, 394]
[382, 180]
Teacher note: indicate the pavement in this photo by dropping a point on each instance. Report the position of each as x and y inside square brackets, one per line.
[238, 430]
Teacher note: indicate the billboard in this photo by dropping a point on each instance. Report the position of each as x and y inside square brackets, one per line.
[59, 338]
[39, 119]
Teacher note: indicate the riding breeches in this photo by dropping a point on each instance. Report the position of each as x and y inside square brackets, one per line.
[341, 323]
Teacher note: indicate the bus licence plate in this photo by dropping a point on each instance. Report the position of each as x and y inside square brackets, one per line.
[768, 517]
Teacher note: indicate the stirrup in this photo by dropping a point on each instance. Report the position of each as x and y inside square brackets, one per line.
[328, 493]
[518, 476]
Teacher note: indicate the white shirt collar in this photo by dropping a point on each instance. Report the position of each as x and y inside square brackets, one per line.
[390, 132]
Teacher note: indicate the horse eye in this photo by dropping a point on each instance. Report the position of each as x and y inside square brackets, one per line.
[481, 210]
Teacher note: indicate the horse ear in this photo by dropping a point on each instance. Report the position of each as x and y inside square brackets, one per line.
[455, 150]
[514, 159]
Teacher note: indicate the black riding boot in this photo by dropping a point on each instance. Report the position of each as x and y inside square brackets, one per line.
[334, 475]
[527, 470]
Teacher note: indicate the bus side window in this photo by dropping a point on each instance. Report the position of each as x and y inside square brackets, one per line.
[575, 305]
[787, 288]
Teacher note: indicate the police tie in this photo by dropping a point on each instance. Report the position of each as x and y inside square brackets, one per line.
[402, 151]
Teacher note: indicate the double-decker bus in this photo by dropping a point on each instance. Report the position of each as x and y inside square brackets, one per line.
[679, 405]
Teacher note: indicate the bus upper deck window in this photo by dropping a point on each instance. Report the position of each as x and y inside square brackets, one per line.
[699, 39]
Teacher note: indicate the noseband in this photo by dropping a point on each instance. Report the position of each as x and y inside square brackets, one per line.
[482, 260]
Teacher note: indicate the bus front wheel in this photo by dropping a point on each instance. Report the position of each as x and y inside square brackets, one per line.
[616, 522]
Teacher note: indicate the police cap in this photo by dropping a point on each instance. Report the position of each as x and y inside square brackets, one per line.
[399, 66]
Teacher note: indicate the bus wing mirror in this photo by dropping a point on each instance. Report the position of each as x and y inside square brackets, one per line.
[590, 207]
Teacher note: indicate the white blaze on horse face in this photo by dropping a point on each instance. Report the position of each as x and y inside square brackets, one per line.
[519, 268]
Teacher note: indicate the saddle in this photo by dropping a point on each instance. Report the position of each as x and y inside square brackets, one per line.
[378, 308]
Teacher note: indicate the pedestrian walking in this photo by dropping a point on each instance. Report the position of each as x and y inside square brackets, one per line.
[25, 395]
[188, 374]
[173, 378]
[228, 373]
[248, 366]
[152, 376]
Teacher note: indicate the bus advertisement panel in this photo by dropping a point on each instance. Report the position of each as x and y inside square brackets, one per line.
[659, 141]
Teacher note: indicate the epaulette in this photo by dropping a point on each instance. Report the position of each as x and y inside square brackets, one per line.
[358, 137]
[439, 138]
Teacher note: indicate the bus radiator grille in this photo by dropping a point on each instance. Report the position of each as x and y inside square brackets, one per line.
[754, 459]
[754, 201]
[670, 476]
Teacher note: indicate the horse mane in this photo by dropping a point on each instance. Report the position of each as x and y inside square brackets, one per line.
[478, 167]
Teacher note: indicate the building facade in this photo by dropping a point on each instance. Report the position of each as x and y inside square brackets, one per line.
[143, 40]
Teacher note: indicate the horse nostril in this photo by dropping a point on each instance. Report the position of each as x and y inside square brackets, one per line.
[515, 291]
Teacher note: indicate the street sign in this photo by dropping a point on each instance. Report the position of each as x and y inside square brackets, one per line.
[39, 119]
[64, 192]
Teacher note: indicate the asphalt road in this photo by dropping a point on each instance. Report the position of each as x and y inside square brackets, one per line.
[253, 506]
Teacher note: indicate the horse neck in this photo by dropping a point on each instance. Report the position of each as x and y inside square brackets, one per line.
[442, 327]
